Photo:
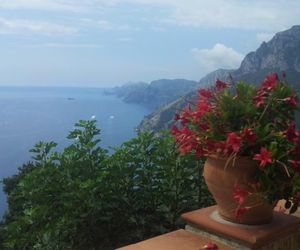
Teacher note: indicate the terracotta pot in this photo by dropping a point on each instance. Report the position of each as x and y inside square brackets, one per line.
[221, 182]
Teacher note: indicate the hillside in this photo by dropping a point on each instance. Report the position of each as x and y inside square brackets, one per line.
[154, 94]
[281, 53]
[162, 117]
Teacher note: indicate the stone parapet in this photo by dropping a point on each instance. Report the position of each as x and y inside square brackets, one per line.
[282, 233]
[177, 240]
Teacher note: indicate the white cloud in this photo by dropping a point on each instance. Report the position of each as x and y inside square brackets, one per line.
[158, 28]
[22, 26]
[57, 5]
[217, 57]
[107, 25]
[52, 5]
[125, 39]
[86, 20]
[126, 27]
[72, 45]
[256, 14]
[263, 14]
[264, 37]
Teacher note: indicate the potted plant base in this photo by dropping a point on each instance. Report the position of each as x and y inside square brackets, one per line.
[222, 177]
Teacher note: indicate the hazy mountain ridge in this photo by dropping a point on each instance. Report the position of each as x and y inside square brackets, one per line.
[162, 118]
[281, 53]
[154, 94]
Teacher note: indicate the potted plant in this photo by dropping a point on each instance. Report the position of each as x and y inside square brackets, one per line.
[248, 135]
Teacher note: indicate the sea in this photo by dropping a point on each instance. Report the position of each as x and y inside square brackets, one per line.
[32, 114]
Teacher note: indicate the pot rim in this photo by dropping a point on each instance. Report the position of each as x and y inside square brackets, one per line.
[217, 156]
[244, 160]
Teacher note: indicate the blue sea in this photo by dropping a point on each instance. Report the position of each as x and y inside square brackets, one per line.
[31, 114]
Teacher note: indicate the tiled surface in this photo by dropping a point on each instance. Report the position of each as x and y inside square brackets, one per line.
[252, 236]
[177, 240]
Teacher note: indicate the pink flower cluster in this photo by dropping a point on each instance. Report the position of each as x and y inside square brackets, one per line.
[192, 134]
[265, 132]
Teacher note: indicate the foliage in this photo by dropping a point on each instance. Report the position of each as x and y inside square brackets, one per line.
[83, 198]
[155, 183]
[242, 120]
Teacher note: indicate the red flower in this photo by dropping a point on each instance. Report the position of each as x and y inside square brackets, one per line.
[186, 148]
[175, 130]
[292, 134]
[185, 115]
[205, 93]
[177, 117]
[292, 100]
[249, 135]
[270, 82]
[220, 85]
[220, 147]
[234, 141]
[203, 126]
[210, 145]
[210, 246]
[203, 107]
[200, 151]
[240, 194]
[260, 98]
[264, 157]
[186, 138]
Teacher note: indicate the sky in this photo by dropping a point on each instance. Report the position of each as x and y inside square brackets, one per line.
[111, 42]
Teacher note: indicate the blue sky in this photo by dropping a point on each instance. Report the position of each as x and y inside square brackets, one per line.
[100, 43]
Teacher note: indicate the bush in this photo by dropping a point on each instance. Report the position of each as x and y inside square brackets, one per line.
[84, 198]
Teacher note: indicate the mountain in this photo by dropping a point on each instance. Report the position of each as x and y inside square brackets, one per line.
[213, 76]
[156, 93]
[281, 53]
[126, 89]
[162, 118]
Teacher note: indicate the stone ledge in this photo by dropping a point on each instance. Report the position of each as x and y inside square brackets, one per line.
[208, 223]
[177, 240]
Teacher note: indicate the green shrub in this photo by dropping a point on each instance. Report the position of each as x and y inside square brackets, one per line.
[84, 198]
